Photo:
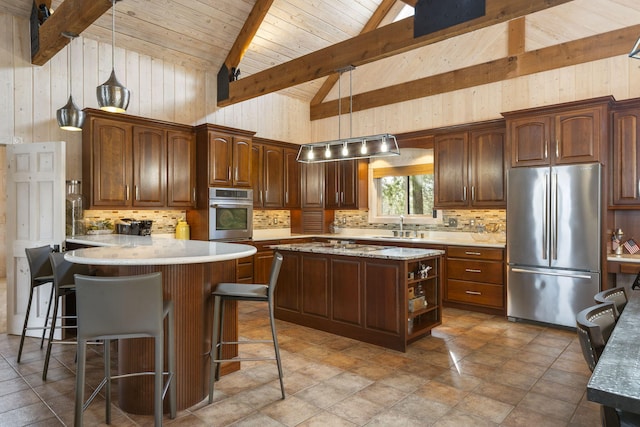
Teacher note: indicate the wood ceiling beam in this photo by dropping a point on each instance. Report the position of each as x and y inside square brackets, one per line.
[374, 45]
[247, 33]
[372, 24]
[410, 2]
[73, 16]
[601, 46]
[240, 46]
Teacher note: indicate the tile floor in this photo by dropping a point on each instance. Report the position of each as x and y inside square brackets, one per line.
[475, 370]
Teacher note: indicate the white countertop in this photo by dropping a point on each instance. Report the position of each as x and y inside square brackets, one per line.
[120, 249]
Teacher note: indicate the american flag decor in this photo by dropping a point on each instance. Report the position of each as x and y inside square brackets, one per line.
[631, 246]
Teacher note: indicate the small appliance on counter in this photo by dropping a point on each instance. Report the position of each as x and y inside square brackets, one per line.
[134, 227]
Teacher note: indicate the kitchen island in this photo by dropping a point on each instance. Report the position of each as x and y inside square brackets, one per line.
[189, 271]
[384, 295]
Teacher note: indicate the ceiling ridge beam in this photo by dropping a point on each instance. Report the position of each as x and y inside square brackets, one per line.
[377, 17]
[374, 45]
[73, 16]
[229, 70]
[593, 48]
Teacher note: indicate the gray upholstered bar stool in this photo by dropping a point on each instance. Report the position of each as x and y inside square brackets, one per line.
[113, 308]
[618, 296]
[243, 292]
[63, 286]
[41, 274]
[594, 325]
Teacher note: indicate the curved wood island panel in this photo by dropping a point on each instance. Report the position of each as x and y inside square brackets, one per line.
[189, 271]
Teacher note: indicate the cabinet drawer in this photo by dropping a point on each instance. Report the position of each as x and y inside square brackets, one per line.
[472, 252]
[244, 268]
[475, 271]
[475, 293]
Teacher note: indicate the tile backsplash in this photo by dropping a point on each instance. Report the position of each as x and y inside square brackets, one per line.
[164, 221]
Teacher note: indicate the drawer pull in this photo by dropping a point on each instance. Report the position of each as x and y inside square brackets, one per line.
[472, 270]
[473, 293]
[473, 253]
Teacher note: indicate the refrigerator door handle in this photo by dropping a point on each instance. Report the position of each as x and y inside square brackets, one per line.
[554, 218]
[550, 273]
[545, 215]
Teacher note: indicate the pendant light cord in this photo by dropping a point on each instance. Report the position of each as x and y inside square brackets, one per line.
[339, 103]
[69, 63]
[350, 104]
[113, 36]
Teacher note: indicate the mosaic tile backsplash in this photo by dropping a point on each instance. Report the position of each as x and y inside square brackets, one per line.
[164, 221]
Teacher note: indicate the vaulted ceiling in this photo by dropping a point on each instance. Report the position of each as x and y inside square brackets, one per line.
[296, 46]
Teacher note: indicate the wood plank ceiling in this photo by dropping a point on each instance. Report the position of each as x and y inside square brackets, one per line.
[296, 46]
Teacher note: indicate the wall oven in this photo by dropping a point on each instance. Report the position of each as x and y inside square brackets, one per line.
[230, 214]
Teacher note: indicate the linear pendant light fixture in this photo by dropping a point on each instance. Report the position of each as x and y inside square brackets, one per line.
[70, 117]
[362, 147]
[112, 95]
[635, 52]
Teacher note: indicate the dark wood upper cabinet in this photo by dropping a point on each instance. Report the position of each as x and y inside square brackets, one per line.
[313, 185]
[569, 133]
[291, 179]
[275, 175]
[133, 162]
[229, 159]
[346, 184]
[107, 163]
[181, 169]
[625, 156]
[149, 166]
[469, 168]
[451, 157]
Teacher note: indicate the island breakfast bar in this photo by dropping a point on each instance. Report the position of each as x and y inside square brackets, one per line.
[189, 271]
[615, 381]
[384, 295]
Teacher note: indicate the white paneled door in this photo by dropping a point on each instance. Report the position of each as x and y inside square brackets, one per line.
[35, 217]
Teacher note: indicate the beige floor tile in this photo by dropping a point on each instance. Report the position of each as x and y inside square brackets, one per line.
[484, 407]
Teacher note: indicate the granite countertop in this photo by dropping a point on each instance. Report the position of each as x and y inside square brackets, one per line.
[119, 249]
[453, 238]
[635, 258]
[616, 378]
[358, 250]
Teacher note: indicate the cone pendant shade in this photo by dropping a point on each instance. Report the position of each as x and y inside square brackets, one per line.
[70, 117]
[112, 95]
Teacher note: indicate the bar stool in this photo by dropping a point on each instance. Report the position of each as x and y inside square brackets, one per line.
[41, 274]
[111, 308]
[616, 295]
[243, 292]
[63, 286]
[594, 326]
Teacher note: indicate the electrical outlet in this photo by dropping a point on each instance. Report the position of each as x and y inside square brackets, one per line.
[453, 222]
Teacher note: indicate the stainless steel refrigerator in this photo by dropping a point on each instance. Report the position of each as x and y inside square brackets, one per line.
[553, 242]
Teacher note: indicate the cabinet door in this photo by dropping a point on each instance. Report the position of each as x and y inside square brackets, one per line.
[312, 185]
[112, 163]
[181, 169]
[487, 169]
[273, 177]
[347, 291]
[578, 136]
[241, 162]
[332, 185]
[530, 138]
[451, 170]
[626, 158]
[349, 184]
[149, 166]
[220, 152]
[291, 179]
[256, 175]
[315, 286]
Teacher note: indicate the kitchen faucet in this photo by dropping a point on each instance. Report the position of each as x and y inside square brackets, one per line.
[401, 223]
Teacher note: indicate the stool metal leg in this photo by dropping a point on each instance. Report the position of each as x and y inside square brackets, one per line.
[215, 339]
[276, 347]
[158, 379]
[51, 332]
[24, 327]
[80, 369]
[107, 376]
[171, 339]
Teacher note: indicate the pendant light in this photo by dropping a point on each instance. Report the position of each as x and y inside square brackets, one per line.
[112, 95]
[70, 117]
[366, 147]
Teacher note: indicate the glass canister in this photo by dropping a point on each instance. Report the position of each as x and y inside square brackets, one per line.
[74, 209]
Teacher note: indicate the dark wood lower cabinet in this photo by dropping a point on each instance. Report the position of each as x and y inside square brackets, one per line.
[360, 298]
